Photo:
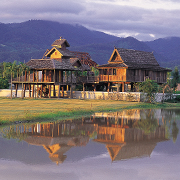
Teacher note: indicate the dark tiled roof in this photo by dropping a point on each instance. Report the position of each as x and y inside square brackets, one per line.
[131, 57]
[84, 58]
[65, 52]
[50, 64]
[81, 66]
[146, 66]
[59, 42]
[85, 67]
[134, 59]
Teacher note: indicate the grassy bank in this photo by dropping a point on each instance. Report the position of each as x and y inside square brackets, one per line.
[38, 110]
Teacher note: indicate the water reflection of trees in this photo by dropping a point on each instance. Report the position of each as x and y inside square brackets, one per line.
[169, 117]
[147, 123]
[13, 132]
[175, 131]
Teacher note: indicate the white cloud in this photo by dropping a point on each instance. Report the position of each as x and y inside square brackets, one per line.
[142, 17]
[158, 166]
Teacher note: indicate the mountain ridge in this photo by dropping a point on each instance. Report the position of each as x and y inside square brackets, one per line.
[30, 39]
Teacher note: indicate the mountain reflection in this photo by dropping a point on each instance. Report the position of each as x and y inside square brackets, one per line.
[127, 134]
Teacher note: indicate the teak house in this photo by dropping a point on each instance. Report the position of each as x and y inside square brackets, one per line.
[127, 66]
[56, 71]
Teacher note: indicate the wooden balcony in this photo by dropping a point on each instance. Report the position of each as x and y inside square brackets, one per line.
[111, 78]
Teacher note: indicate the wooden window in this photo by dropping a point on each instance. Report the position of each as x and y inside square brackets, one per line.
[105, 71]
[114, 71]
[146, 73]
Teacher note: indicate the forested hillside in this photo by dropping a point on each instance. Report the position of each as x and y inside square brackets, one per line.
[23, 41]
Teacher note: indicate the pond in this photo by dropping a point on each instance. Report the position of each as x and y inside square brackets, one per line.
[132, 144]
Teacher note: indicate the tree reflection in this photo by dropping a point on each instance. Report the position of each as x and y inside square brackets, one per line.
[175, 131]
[148, 123]
[10, 132]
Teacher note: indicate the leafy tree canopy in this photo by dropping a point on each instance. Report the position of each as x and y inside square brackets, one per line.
[150, 87]
[175, 78]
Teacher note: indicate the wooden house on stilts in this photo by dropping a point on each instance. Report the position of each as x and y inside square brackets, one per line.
[54, 73]
[126, 67]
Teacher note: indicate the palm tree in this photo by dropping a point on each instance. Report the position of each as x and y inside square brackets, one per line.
[9, 68]
[23, 67]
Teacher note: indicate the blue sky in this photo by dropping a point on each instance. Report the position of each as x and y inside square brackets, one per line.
[142, 19]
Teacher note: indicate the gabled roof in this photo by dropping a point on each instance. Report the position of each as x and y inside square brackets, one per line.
[133, 59]
[59, 42]
[64, 52]
[84, 58]
[76, 62]
[39, 64]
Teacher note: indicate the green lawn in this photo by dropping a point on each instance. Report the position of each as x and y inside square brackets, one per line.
[12, 110]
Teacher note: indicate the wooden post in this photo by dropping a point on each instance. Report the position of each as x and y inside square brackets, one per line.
[123, 87]
[108, 86]
[16, 90]
[33, 77]
[29, 76]
[94, 87]
[49, 91]
[25, 75]
[24, 90]
[41, 91]
[54, 76]
[50, 74]
[42, 78]
[45, 76]
[117, 87]
[37, 77]
[17, 76]
[33, 91]
[59, 88]
[71, 91]
[54, 91]
[29, 90]
[63, 91]
[108, 74]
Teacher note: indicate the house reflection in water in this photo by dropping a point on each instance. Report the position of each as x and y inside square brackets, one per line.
[126, 134]
[125, 137]
[58, 138]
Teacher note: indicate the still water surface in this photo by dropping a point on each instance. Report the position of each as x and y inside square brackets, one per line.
[132, 144]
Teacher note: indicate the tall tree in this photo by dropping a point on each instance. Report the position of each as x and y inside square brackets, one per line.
[10, 68]
[175, 78]
[150, 87]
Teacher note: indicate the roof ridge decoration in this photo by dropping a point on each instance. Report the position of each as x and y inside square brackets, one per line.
[59, 42]
[115, 57]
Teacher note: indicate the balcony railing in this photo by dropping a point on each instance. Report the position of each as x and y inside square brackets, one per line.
[111, 78]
